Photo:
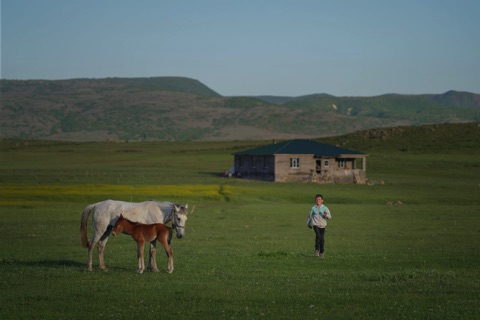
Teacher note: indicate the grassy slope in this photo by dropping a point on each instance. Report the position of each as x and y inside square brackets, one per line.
[441, 138]
[248, 253]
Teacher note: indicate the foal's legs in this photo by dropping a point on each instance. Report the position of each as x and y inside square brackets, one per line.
[141, 261]
[152, 260]
[168, 250]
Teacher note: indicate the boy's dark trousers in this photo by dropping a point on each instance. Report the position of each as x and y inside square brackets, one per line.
[319, 238]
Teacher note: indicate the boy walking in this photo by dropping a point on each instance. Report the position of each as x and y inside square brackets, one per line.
[318, 219]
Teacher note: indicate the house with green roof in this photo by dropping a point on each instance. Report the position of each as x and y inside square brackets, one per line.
[301, 160]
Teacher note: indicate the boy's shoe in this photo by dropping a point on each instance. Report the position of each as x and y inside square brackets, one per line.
[317, 253]
[321, 255]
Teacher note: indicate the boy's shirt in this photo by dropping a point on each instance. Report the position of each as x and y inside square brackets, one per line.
[320, 215]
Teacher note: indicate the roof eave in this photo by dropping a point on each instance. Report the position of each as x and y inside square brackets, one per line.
[357, 155]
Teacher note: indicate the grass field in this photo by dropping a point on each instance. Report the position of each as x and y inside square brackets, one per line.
[247, 253]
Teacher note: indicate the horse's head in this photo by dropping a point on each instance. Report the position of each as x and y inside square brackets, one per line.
[179, 219]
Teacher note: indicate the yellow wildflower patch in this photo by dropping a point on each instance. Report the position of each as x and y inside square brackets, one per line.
[12, 194]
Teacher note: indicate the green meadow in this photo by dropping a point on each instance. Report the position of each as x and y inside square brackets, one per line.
[247, 253]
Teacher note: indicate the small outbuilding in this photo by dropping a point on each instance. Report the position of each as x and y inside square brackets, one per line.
[302, 160]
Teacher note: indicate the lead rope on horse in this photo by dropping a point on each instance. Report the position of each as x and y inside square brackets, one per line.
[172, 217]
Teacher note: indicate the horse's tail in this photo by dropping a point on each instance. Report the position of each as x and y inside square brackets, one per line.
[83, 224]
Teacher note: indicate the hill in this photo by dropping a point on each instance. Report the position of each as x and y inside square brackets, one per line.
[176, 109]
[462, 138]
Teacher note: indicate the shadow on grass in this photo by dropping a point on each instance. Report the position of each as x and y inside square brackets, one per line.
[55, 264]
[215, 174]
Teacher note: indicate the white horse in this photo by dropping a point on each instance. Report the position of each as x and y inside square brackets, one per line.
[106, 213]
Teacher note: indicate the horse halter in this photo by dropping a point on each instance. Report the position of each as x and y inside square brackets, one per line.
[174, 225]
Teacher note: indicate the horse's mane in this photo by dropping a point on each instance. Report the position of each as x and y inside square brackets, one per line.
[167, 204]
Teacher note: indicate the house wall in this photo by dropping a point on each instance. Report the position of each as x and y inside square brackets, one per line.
[349, 176]
[340, 170]
[284, 173]
[255, 167]
[310, 169]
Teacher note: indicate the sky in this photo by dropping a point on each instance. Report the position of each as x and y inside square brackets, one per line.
[250, 47]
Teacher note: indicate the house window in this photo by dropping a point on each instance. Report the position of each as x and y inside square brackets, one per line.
[294, 163]
[325, 164]
[265, 162]
[254, 162]
[341, 163]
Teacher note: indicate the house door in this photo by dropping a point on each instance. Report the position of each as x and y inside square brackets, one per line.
[318, 166]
